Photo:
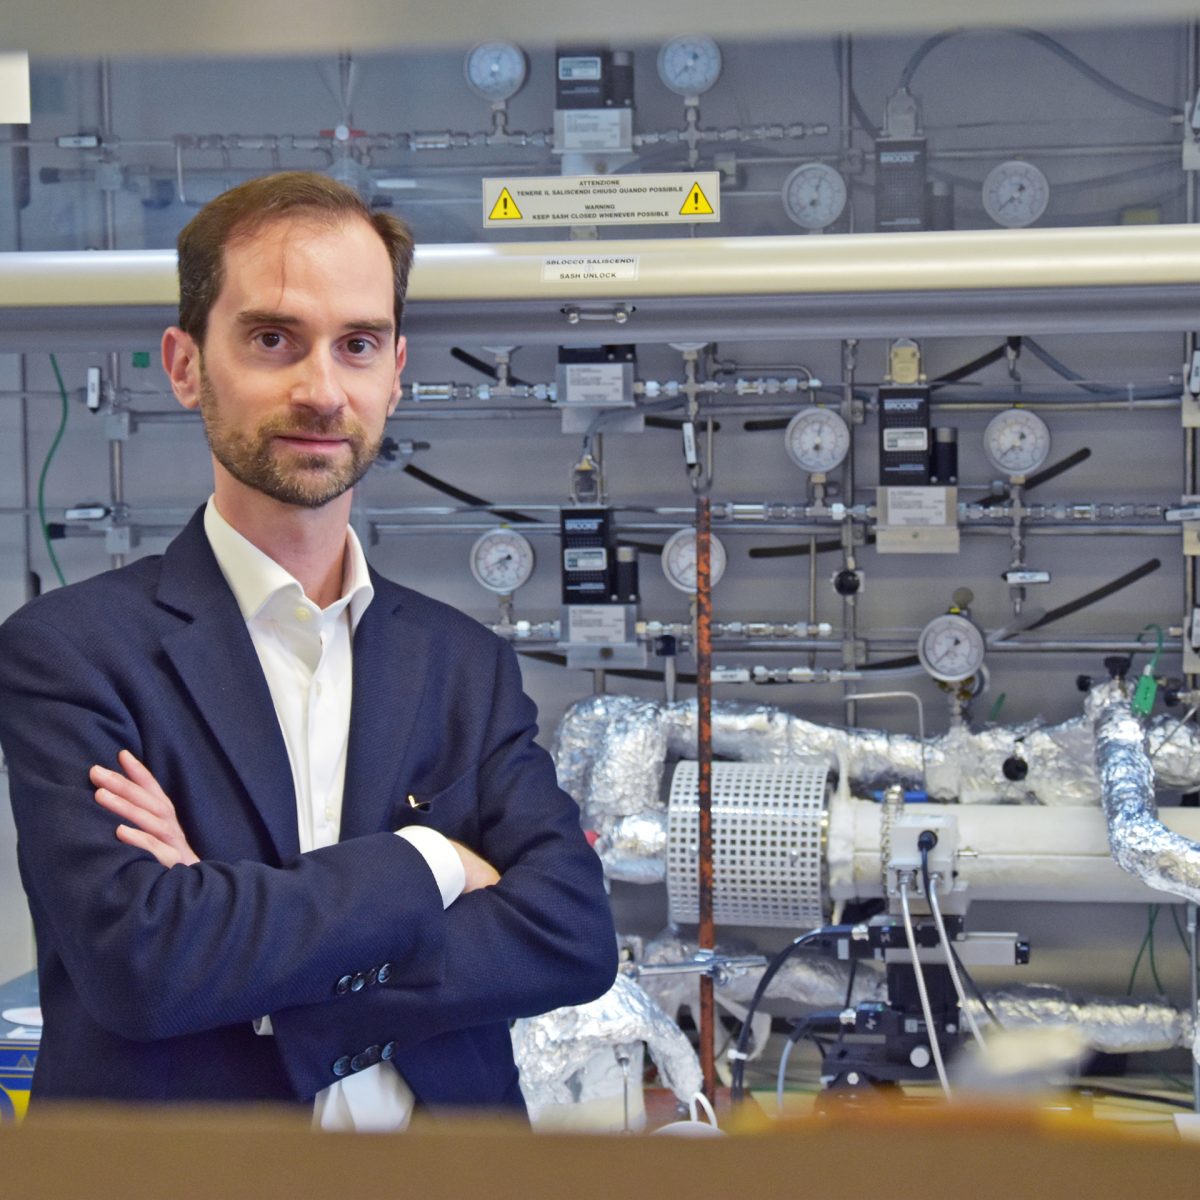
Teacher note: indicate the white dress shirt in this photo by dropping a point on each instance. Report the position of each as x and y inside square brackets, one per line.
[306, 654]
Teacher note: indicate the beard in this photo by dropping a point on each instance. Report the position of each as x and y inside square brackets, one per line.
[284, 474]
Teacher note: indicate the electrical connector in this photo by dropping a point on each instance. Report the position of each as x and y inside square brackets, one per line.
[1145, 693]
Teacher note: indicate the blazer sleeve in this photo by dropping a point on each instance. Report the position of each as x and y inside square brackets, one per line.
[155, 953]
[540, 939]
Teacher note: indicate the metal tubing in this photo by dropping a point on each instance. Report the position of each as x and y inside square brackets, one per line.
[706, 935]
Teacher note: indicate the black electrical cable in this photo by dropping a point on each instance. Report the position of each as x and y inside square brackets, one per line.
[1044, 475]
[484, 368]
[457, 493]
[1138, 391]
[1101, 593]
[977, 364]
[856, 107]
[1103, 1089]
[1056, 48]
[737, 1071]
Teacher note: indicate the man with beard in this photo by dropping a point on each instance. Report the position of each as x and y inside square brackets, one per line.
[283, 826]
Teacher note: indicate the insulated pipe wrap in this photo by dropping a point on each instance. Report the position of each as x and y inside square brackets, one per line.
[1141, 844]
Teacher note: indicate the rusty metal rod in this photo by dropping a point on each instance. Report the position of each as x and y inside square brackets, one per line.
[706, 938]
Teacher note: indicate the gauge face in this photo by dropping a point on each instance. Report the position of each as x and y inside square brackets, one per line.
[1015, 194]
[679, 560]
[501, 561]
[1016, 441]
[495, 70]
[814, 195]
[689, 65]
[951, 648]
[817, 440]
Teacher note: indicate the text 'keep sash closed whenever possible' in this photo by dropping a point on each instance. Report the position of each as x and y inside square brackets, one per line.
[602, 200]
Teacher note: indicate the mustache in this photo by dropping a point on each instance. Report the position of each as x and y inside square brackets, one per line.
[321, 425]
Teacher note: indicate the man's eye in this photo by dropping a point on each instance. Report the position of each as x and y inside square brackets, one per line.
[270, 339]
[359, 345]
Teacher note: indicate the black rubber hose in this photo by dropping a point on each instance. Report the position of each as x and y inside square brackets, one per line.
[457, 493]
[1101, 593]
[1044, 475]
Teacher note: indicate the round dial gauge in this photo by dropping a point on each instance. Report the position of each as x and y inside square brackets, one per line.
[501, 561]
[817, 439]
[689, 65]
[1015, 194]
[1016, 441]
[814, 195]
[951, 648]
[495, 70]
[679, 560]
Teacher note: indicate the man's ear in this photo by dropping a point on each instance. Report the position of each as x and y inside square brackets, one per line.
[181, 361]
[401, 359]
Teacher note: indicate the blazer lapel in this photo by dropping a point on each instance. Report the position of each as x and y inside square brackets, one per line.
[391, 661]
[218, 665]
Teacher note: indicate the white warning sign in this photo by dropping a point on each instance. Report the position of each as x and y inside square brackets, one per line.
[602, 200]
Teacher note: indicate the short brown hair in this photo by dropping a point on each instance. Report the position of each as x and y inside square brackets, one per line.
[249, 206]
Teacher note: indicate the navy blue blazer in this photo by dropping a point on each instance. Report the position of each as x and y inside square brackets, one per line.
[151, 978]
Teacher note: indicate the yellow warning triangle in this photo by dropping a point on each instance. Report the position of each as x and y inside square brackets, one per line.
[696, 204]
[505, 208]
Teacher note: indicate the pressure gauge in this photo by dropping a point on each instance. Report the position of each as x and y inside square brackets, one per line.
[951, 648]
[501, 561]
[817, 440]
[495, 70]
[1016, 441]
[689, 65]
[814, 195]
[1015, 194]
[679, 560]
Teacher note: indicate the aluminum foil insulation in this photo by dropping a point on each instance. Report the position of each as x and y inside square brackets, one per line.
[1141, 844]
[1107, 1025]
[807, 979]
[553, 1048]
[611, 752]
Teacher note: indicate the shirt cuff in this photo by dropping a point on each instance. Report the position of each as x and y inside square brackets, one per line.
[441, 858]
[263, 1027]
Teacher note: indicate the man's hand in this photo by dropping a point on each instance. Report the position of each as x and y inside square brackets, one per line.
[480, 872]
[136, 797]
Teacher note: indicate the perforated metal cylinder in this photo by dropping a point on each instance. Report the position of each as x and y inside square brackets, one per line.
[768, 842]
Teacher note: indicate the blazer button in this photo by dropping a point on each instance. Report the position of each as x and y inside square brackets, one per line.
[373, 1054]
[343, 985]
[389, 1049]
[358, 982]
[360, 1062]
[342, 1066]
[372, 976]
[385, 972]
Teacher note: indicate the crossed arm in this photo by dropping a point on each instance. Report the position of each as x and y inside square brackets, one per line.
[135, 796]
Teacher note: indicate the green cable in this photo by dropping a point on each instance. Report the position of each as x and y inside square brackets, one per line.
[994, 715]
[1179, 930]
[1158, 648]
[41, 492]
[1137, 962]
[1154, 911]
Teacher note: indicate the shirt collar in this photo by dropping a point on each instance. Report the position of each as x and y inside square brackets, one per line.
[255, 578]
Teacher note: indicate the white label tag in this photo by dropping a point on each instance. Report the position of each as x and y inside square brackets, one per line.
[689, 444]
[596, 624]
[916, 506]
[588, 558]
[591, 129]
[596, 383]
[1194, 631]
[589, 268]
[1012, 578]
[730, 675]
[671, 197]
[905, 441]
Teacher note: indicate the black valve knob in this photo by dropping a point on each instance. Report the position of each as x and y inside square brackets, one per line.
[1015, 768]
[847, 582]
[1117, 666]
